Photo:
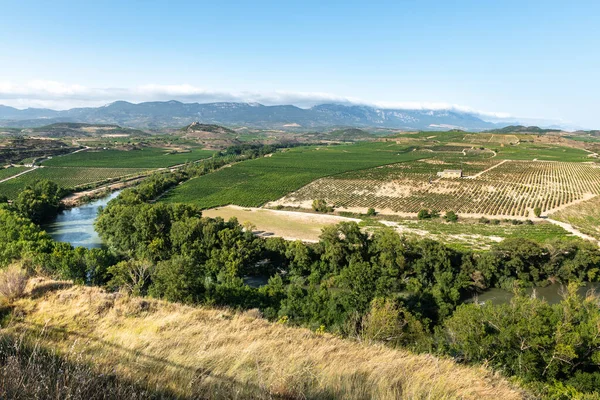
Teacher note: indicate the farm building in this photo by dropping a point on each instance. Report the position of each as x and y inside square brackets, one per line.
[450, 173]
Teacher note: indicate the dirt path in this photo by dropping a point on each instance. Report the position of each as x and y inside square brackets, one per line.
[74, 198]
[569, 228]
[19, 174]
[586, 197]
[477, 175]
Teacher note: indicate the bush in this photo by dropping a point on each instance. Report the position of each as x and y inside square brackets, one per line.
[320, 205]
[537, 212]
[12, 282]
[390, 323]
[451, 216]
[371, 212]
[484, 220]
[423, 214]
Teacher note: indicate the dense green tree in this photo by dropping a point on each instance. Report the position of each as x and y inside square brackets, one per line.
[530, 338]
[40, 201]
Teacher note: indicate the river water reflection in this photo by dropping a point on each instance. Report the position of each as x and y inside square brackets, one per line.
[76, 225]
[552, 293]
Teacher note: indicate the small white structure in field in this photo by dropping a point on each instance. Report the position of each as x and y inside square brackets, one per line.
[450, 173]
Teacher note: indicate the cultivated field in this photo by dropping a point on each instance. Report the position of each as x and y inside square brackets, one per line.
[474, 235]
[8, 172]
[68, 178]
[147, 157]
[510, 188]
[256, 182]
[585, 216]
[286, 224]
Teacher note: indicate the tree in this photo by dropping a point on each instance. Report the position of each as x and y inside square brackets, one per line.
[451, 216]
[371, 212]
[530, 338]
[40, 201]
[423, 214]
[178, 279]
[537, 212]
[132, 276]
[388, 322]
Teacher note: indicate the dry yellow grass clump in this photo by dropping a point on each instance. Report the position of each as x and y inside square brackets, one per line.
[214, 353]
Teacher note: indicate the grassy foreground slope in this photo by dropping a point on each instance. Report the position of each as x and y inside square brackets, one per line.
[186, 352]
[255, 182]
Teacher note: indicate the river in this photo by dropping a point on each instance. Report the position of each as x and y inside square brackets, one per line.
[552, 293]
[76, 225]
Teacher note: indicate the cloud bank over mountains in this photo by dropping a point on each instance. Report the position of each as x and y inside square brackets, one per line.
[62, 96]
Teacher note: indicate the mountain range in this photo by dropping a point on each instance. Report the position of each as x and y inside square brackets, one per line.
[176, 114]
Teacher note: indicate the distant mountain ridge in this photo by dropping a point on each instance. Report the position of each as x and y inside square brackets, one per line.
[176, 114]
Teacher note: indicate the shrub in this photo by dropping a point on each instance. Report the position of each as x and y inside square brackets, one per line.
[451, 216]
[387, 322]
[537, 212]
[484, 220]
[320, 205]
[371, 212]
[12, 282]
[423, 214]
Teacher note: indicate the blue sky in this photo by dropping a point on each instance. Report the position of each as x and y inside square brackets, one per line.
[538, 59]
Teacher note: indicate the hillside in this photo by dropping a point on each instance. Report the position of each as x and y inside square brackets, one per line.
[72, 129]
[185, 352]
[523, 129]
[174, 113]
[348, 134]
[198, 130]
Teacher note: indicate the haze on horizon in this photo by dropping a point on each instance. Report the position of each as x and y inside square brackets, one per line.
[532, 59]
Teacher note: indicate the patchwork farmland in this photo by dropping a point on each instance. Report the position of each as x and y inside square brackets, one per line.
[511, 188]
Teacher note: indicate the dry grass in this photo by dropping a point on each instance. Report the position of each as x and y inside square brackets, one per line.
[13, 280]
[212, 353]
[289, 225]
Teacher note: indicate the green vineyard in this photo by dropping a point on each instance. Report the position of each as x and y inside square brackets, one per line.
[68, 178]
[8, 172]
[255, 182]
[148, 157]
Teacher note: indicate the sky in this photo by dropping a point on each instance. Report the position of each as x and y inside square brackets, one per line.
[502, 59]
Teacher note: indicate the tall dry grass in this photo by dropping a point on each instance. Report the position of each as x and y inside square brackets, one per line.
[13, 280]
[28, 371]
[213, 353]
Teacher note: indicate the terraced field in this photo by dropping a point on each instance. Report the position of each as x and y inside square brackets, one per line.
[148, 157]
[512, 188]
[67, 177]
[255, 182]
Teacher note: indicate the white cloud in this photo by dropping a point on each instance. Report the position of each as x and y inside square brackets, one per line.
[60, 96]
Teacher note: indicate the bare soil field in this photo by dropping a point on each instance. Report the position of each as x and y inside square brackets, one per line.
[289, 225]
